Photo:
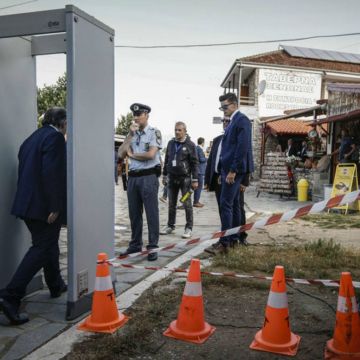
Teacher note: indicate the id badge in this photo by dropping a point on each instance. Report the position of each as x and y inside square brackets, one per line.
[174, 162]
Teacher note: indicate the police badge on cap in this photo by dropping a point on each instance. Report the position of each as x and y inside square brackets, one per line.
[138, 108]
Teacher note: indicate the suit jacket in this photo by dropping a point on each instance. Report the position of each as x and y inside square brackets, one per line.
[236, 149]
[41, 186]
[210, 166]
[202, 159]
[303, 152]
[291, 151]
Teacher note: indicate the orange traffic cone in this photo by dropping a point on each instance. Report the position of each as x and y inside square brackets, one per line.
[276, 336]
[346, 341]
[104, 316]
[190, 324]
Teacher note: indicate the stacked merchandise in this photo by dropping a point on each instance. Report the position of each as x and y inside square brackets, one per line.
[276, 177]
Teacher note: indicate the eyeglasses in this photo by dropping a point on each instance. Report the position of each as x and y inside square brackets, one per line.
[225, 120]
[224, 107]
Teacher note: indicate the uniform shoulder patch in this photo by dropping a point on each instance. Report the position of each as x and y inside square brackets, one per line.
[158, 136]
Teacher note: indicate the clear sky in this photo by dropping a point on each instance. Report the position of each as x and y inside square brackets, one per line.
[184, 84]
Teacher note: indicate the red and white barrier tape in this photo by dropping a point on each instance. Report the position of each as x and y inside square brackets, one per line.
[259, 224]
[331, 283]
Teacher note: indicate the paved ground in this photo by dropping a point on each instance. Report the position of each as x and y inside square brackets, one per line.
[48, 315]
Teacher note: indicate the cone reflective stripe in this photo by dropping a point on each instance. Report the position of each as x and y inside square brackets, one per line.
[345, 343]
[104, 316]
[193, 289]
[190, 324]
[276, 336]
[277, 300]
[103, 283]
[343, 304]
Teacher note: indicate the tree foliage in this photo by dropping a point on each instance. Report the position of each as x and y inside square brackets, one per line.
[52, 95]
[123, 124]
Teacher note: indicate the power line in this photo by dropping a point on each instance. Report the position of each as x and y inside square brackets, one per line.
[235, 43]
[23, 3]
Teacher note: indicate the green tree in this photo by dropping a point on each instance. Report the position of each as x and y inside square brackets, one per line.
[123, 124]
[51, 95]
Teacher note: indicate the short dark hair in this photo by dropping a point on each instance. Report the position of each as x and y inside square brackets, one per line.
[54, 116]
[181, 123]
[200, 140]
[231, 97]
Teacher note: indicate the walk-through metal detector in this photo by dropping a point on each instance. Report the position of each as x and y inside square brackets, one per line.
[89, 48]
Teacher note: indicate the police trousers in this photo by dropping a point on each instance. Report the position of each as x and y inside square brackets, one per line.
[142, 192]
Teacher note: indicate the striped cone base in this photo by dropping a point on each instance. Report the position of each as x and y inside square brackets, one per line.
[105, 317]
[289, 348]
[345, 344]
[197, 337]
[110, 327]
[276, 336]
[190, 325]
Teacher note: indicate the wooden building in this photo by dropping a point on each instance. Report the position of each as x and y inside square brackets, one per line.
[289, 80]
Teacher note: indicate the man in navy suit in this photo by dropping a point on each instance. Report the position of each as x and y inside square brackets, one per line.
[236, 162]
[40, 201]
[213, 183]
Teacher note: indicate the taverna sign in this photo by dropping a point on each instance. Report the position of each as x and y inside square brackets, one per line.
[287, 90]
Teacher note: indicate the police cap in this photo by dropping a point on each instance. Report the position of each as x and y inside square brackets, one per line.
[138, 108]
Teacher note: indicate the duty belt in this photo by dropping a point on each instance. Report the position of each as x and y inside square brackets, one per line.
[144, 172]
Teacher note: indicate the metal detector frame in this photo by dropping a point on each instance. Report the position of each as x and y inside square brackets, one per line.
[89, 48]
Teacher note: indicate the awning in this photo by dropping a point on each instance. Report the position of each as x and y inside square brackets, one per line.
[319, 109]
[289, 127]
[351, 115]
[344, 88]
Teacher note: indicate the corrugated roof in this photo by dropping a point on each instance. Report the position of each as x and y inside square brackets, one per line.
[343, 87]
[351, 115]
[319, 54]
[289, 126]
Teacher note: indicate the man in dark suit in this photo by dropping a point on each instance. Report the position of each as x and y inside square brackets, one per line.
[291, 149]
[236, 162]
[212, 172]
[213, 183]
[40, 201]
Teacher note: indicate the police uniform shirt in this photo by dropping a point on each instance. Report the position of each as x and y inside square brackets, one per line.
[141, 142]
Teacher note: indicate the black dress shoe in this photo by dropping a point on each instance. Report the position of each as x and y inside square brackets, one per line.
[152, 256]
[233, 244]
[217, 248]
[243, 242]
[57, 293]
[12, 314]
[129, 251]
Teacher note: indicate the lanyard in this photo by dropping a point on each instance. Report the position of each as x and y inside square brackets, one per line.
[177, 147]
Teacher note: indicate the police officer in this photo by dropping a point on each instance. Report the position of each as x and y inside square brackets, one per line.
[142, 146]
